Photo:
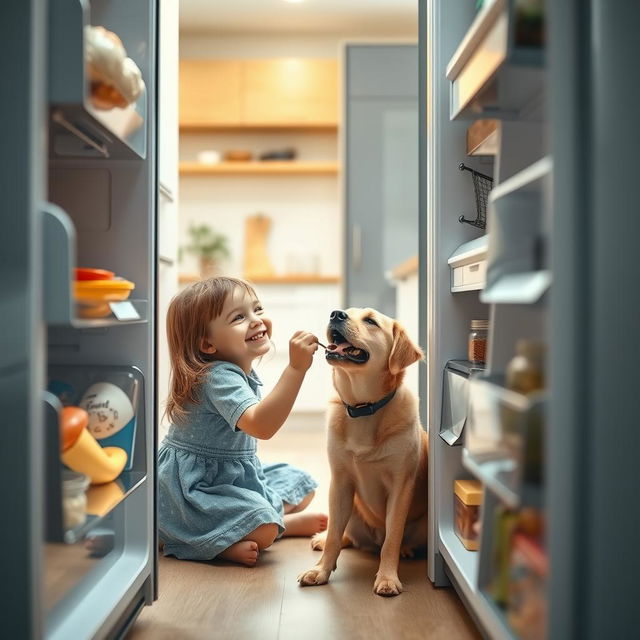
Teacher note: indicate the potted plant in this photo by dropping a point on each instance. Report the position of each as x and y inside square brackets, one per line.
[209, 246]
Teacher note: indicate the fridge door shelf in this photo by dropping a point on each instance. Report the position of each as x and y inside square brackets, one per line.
[102, 499]
[113, 396]
[517, 263]
[503, 439]
[78, 128]
[59, 261]
[493, 54]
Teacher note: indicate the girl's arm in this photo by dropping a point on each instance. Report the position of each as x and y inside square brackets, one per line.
[263, 420]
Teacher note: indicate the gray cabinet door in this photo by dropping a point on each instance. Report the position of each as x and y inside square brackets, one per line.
[381, 169]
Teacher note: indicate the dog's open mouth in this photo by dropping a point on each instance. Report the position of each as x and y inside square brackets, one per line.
[342, 349]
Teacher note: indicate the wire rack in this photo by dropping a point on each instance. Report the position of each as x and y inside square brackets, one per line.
[482, 186]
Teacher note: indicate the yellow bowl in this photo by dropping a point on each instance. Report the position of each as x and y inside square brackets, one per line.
[93, 296]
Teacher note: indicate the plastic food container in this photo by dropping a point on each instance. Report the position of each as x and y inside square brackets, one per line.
[93, 296]
[74, 498]
[468, 498]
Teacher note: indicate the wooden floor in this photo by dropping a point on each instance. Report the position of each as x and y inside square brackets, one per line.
[201, 600]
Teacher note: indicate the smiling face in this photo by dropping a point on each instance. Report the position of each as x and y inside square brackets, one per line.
[241, 332]
[367, 339]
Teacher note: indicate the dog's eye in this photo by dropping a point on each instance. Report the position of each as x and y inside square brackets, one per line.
[371, 321]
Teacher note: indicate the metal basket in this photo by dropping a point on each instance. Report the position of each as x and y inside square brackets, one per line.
[482, 185]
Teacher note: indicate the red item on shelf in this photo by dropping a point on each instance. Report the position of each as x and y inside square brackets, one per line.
[84, 273]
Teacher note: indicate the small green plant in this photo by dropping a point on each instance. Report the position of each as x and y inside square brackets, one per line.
[209, 246]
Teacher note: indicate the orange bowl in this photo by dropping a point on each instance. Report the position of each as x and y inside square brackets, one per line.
[93, 296]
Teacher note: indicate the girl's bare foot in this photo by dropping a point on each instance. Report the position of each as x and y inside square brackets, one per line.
[304, 524]
[243, 552]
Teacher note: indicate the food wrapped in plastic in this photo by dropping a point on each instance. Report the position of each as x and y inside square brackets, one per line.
[115, 79]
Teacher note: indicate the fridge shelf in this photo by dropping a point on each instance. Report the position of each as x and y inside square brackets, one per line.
[498, 68]
[102, 500]
[78, 128]
[503, 439]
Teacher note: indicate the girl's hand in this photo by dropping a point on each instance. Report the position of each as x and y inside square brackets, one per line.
[302, 346]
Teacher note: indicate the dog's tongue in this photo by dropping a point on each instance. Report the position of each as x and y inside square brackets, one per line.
[338, 348]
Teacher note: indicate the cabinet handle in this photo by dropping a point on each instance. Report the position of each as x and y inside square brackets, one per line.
[356, 246]
[167, 261]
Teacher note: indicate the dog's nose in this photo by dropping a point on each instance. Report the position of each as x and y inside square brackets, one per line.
[338, 316]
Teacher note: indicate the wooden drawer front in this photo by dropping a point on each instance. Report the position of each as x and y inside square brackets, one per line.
[210, 92]
[474, 273]
[290, 91]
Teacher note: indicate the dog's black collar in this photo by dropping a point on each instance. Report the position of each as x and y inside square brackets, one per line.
[367, 408]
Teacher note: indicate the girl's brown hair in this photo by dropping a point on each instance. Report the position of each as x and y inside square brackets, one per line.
[188, 316]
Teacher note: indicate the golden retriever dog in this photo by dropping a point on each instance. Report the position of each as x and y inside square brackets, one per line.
[377, 448]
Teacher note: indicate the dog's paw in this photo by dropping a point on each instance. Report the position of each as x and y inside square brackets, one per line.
[387, 586]
[313, 577]
[318, 541]
[407, 552]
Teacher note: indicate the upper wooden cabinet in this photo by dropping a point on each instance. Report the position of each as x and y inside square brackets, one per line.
[210, 92]
[292, 92]
[295, 90]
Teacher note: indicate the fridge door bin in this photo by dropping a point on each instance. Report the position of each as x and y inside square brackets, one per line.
[504, 437]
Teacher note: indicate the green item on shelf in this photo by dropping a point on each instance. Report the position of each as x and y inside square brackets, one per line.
[209, 246]
[504, 524]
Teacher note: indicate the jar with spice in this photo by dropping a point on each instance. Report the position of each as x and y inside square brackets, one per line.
[477, 347]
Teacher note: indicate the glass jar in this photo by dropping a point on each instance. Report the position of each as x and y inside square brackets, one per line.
[74, 498]
[477, 345]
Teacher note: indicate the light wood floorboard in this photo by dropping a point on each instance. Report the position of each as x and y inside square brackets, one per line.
[202, 600]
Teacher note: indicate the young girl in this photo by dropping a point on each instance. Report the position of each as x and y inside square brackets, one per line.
[215, 498]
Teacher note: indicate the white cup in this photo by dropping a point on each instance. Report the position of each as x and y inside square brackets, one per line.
[210, 156]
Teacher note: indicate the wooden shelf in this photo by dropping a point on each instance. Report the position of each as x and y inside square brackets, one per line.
[267, 167]
[307, 127]
[483, 137]
[293, 278]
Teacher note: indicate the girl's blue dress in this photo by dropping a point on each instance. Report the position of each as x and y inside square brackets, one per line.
[212, 489]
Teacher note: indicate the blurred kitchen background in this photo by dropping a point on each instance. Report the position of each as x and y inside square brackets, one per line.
[298, 166]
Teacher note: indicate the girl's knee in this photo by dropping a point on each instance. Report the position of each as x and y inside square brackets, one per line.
[264, 535]
[303, 504]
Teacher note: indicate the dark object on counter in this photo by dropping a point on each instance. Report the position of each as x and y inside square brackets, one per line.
[482, 185]
[289, 153]
[238, 155]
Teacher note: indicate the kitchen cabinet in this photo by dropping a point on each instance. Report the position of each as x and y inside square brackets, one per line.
[381, 168]
[210, 92]
[290, 92]
[260, 94]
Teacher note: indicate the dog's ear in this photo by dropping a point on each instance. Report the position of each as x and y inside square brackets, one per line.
[403, 351]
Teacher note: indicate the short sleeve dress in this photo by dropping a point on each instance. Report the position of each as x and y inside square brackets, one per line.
[212, 488]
